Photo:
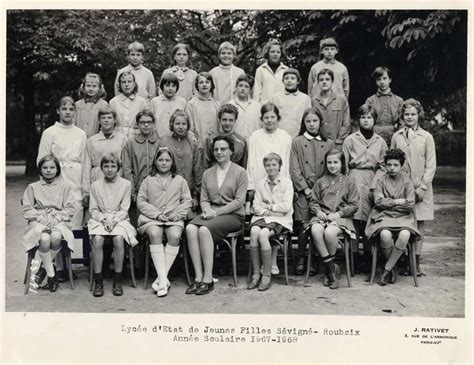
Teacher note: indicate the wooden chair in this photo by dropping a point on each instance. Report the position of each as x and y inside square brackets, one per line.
[284, 242]
[128, 249]
[67, 262]
[346, 244]
[231, 241]
[411, 254]
[184, 250]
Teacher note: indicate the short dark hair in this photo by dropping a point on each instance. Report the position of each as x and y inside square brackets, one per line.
[50, 157]
[169, 78]
[367, 109]
[379, 71]
[269, 107]
[395, 154]
[145, 112]
[228, 109]
[110, 157]
[292, 71]
[342, 158]
[247, 78]
[325, 71]
[227, 139]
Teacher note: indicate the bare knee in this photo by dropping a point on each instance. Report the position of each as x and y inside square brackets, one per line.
[403, 238]
[118, 242]
[173, 234]
[98, 242]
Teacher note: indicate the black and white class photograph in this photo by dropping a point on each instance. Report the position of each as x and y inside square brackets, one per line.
[238, 162]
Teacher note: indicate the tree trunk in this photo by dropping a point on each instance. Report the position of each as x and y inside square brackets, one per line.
[32, 135]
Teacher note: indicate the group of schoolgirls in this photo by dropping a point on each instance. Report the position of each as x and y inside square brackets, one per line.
[138, 161]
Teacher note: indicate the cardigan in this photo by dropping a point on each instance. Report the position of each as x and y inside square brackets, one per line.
[230, 197]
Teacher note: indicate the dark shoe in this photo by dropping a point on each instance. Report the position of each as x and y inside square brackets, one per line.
[193, 288]
[300, 266]
[326, 280]
[40, 275]
[384, 278]
[265, 283]
[117, 289]
[62, 276]
[393, 275]
[205, 288]
[334, 278]
[254, 280]
[98, 288]
[312, 270]
[53, 284]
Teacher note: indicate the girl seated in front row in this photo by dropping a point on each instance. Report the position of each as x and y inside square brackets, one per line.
[273, 208]
[109, 204]
[163, 201]
[392, 217]
[334, 200]
[48, 205]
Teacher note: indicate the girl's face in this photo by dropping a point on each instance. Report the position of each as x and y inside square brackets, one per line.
[204, 86]
[333, 164]
[135, 58]
[226, 57]
[181, 57]
[270, 121]
[272, 168]
[312, 123]
[180, 127]
[164, 163]
[366, 121]
[227, 122]
[222, 152]
[291, 82]
[107, 123]
[169, 89]
[49, 170]
[243, 90]
[274, 54]
[329, 53]
[410, 117]
[393, 167]
[127, 85]
[383, 82]
[91, 87]
[146, 125]
[110, 169]
[66, 113]
[325, 82]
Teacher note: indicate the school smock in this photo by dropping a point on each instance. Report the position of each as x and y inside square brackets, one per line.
[144, 79]
[385, 214]
[306, 167]
[224, 80]
[154, 199]
[137, 159]
[67, 143]
[292, 107]
[186, 78]
[239, 156]
[111, 200]
[44, 201]
[261, 143]
[420, 165]
[248, 120]
[188, 159]
[364, 157]
[162, 108]
[333, 194]
[341, 78]
[387, 106]
[336, 117]
[203, 115]
[97, 147]
[127, 108]
[87, 115]
[280, 200]
[268, 82]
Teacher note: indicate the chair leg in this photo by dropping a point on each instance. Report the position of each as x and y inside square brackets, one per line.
[308, 264]
[132, 268]
[351, 257]
[285, 258]
[186, 261]
[31, 255]
[69, 266]
[292, 253]
[147, 263]
[347, 248]
[234, 259]
[411, 251]
[374, 262]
